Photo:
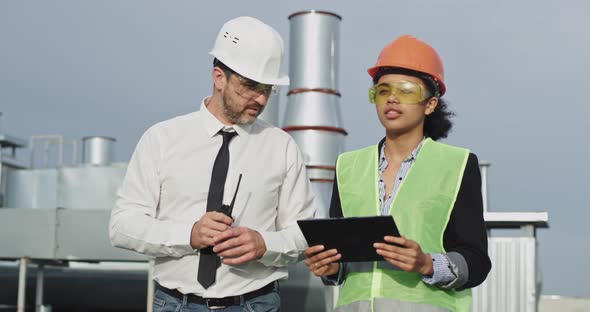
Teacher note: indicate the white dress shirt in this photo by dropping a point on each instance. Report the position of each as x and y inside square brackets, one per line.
[165, 192]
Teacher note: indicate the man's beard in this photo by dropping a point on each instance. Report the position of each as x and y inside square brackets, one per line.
[233, 114]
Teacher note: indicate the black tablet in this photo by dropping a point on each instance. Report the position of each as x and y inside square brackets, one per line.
[352, 237]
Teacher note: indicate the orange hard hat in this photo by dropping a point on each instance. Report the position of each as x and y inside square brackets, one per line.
[410, 53]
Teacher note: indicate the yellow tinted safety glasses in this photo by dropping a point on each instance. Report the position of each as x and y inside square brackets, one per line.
[406, 92]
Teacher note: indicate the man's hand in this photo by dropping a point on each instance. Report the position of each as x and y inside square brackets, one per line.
[407, 255]
[210, 225]
[320, 262]
[239, 245]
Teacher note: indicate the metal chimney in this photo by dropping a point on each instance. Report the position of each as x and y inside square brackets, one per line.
[98, 150]
[313, 114]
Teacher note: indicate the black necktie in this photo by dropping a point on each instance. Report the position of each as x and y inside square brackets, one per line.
[208, 260]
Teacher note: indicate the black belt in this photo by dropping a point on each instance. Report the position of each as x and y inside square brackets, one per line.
[218, 303]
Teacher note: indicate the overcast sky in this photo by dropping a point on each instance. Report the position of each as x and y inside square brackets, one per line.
[516, 74]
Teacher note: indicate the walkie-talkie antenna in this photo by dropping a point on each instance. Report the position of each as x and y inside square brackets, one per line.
[231, 206]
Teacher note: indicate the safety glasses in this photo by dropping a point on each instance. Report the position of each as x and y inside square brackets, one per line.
[251, 89]
[406, 92]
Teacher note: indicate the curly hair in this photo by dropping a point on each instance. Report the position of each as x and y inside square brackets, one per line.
[438, 124]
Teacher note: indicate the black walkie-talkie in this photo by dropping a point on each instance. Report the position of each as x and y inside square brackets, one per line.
[227, 210]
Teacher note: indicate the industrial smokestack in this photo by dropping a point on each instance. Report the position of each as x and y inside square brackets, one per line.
[313, 114]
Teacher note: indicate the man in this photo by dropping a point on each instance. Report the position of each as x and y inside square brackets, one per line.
[170, 205]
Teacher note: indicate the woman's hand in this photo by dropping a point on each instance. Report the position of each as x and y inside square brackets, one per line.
[320, 262]
[405, 254]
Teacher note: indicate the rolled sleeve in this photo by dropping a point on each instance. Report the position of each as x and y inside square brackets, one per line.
[458, 265]
[336, 279]
[442, 272]
[282, 248]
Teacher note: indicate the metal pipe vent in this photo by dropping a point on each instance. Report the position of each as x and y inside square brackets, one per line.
[98, 150]
[313, 114]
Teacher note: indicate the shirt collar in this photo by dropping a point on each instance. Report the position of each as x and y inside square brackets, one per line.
[213, 125]
[412, 156]
[416, 150]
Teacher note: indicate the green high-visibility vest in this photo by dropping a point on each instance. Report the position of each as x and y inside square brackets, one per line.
[421, 209]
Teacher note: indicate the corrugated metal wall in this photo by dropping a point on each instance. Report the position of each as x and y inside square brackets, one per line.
[511, 285]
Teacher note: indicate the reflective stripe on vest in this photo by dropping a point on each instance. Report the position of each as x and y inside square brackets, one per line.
[369, 266]
[388, 305]
[421, 209]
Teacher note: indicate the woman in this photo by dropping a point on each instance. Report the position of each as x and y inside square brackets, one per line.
[432, 190]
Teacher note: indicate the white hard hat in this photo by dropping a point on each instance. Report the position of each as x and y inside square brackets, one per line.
[252, 49]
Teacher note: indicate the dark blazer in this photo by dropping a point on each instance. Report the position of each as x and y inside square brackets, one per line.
[466, 231]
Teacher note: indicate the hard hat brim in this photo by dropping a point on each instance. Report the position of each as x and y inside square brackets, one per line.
[282, 80]
[442, 87]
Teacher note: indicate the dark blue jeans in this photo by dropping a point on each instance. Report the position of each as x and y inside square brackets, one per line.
[270, 302]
